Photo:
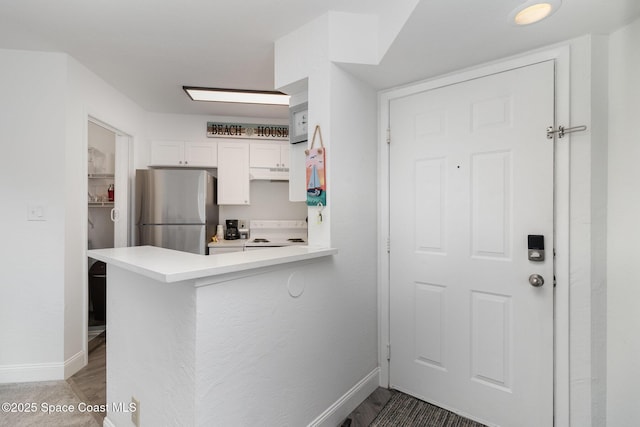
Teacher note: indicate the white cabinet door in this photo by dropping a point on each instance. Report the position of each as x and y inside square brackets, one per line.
[264, 155]
[203, 154]
[233, 173]
[166, 153]
[284, 155]
[180, 153]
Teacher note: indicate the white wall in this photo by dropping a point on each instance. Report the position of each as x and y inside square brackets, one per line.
[304, 354]
[623, 292]
[32, 171]
[269, 200]
[86, 95]
[598, 184]
[45, 105]
[345, 108]
[289, 359]
[151, 350]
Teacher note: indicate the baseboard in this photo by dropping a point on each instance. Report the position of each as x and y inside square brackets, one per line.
[107, 422]
[74, 364]
[31, 372]
[27, 373]
[336, 413]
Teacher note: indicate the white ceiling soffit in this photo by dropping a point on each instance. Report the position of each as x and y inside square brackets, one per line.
[443, 36]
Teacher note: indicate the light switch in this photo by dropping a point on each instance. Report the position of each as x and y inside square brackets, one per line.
[36, 213]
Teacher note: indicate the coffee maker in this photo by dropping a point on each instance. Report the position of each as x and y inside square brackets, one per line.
[231, 233]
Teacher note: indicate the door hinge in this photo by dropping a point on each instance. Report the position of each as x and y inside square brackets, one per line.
[561, 131]
[388, 136]
[388, 245]
[388, 351]
[554, 281]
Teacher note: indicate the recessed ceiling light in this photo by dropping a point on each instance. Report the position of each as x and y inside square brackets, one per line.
[533, 11]
[236, 95]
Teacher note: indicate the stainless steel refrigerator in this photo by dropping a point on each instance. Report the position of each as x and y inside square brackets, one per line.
[176, 209]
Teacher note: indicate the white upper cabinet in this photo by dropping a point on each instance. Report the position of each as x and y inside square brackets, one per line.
[204, 154]
[233, 173]
[186, 154]
[166, 153]
[284, 155]
[269, 155]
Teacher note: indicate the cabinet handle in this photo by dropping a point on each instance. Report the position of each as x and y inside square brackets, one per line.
[115, 215]
[180, 162]
[186, 163]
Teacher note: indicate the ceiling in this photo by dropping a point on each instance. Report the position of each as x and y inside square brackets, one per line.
[149, 49]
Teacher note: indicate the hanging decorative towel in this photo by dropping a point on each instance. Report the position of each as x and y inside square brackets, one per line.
[315, 165]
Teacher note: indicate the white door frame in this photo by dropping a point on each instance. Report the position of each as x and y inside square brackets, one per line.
[561, 56]
[84, 188]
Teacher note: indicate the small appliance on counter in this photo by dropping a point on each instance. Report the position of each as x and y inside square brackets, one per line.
[232, 233]
[243, 229]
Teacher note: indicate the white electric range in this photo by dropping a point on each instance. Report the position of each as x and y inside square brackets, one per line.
[275, 233]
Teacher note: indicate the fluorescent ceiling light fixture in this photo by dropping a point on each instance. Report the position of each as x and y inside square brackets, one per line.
[236, 95]
[533, 11]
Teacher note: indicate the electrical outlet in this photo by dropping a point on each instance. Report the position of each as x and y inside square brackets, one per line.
[135, 414]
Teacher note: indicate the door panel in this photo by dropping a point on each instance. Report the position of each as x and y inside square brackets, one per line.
[491, 204]
[121, 200]
[471, 175]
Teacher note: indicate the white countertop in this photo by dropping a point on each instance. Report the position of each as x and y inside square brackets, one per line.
[237, 243]
[166, 265]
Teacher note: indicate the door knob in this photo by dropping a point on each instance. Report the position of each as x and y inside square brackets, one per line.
[536, 280]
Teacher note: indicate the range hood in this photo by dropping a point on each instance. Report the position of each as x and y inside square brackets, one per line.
[269, 174]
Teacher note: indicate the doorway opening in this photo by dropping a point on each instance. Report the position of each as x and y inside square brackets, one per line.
[108, 192]
[561, 202]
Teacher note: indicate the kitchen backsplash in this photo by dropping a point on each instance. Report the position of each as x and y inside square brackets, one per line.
[269, 200]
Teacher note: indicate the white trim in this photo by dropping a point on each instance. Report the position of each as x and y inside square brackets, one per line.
[75, 363]
[90, 116]
[42, 371]
[560, 54]
[335, 414]
[383, 238]
[107, 422]
[31, 373]
[562, 223]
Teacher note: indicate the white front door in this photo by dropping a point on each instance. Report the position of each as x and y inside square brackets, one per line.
[471, 176]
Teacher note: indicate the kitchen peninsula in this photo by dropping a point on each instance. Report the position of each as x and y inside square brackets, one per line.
[195, 339]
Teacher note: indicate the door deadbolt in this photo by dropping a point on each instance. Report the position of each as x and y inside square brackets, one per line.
[536, 247]
[536, 280]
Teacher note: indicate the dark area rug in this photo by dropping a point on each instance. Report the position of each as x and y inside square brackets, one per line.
[405, 411]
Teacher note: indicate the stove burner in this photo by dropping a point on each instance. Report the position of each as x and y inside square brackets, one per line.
[296, 240]
[259, 240]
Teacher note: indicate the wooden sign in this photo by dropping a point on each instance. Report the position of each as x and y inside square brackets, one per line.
[247, 131]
